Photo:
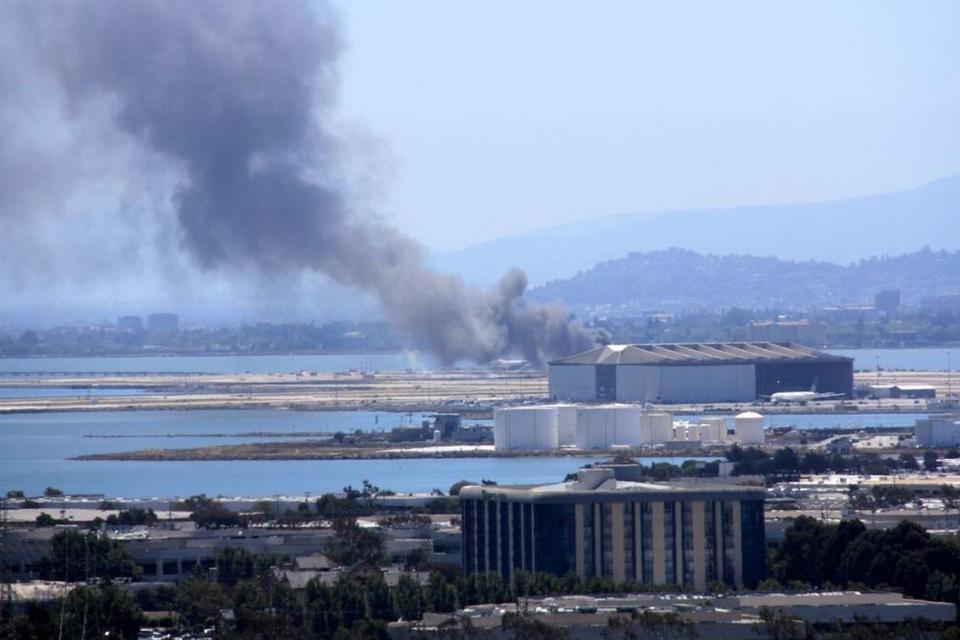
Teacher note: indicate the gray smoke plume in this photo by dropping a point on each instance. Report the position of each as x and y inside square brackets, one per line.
[238, 94]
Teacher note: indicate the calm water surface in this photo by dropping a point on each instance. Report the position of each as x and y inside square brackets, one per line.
[919, 359]
[34, 447]
[34, 452]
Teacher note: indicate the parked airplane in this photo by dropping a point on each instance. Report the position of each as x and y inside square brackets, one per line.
[802, 397]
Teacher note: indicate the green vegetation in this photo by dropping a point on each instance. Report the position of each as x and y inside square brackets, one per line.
[786, 461]
[104, 611]
[354, 543]
[76, 557]
[46, 520]
[905, 558]
[209, 513]
[133, 517]
[245, 595]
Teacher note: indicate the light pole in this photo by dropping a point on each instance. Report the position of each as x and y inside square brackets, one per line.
[949, 376]
[878, 380]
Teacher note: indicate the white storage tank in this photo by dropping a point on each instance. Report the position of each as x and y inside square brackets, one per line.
[657, 427]
[605, 426]
[566, 424]
[681, 430]
[715, 428]
[525, 428]
[748, 428]
[712, 431]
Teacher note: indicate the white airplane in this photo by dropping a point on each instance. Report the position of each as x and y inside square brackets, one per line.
[802, 397]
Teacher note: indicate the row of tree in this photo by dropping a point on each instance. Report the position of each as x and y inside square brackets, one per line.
[786, 461]
[905, 558]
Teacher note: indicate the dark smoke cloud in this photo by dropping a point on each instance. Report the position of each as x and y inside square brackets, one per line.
[238, 94]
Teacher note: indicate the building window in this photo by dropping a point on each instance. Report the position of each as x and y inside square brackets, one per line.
[670, 542]
[481, 527]
[752, 539]
[556, 536]
[517, 537]
[504, 538]
[493, 542]
[468, 536]
[686, 528]
[729, 555]
[710, 533]
[606, 539]
[589, 565]
[532, 528]
[629, 543]
[646, 542]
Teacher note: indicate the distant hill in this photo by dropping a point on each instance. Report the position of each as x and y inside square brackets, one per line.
[840, 232]
[676, 279]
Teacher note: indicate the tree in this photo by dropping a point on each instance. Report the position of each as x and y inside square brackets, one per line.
[786, 459]
[331, 507]
[909, 461]
[46, 520]
[408, 599]
[210, 514]
[352, 543]
[265, 607]
[349, 601]
[526, 627]
[235, 564]
[15, 494]
[52, 492]
[648, 624]
[75, 557]
[322, 619]
[780, 626]
[133, 517]
[441, 596]
[198, 601]
[104, 612]
[456, 486]
[379, 602]
[929, 460]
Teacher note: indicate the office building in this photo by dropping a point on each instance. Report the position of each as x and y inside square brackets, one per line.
[686, 534]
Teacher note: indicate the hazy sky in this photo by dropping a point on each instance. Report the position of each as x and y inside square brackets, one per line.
[500, 117]
[459, 122]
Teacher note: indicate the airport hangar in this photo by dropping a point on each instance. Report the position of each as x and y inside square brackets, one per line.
[697, 372]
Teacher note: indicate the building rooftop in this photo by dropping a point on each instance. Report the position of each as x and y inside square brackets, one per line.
[701, 353]
[601, 485]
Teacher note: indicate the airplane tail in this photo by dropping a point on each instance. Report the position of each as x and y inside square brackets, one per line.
[813, 387]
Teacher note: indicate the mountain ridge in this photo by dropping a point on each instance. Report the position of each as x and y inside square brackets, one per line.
[838, 231]
[680, 279]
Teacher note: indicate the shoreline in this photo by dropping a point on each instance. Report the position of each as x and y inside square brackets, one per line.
[203, 454]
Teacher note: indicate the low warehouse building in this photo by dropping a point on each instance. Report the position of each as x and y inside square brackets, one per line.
[938, 431]
[697, 372]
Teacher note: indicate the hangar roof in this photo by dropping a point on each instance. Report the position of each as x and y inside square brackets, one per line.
[701, 353]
